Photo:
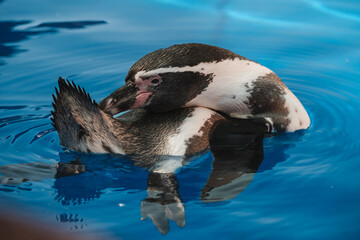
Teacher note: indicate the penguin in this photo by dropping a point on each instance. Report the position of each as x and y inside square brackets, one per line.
[200, 75]
[160, 142]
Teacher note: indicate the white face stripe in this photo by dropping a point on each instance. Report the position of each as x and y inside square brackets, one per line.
[139, 74]
[246, 67]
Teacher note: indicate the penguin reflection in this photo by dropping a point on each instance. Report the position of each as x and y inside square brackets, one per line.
[80, 178]
[232, 170]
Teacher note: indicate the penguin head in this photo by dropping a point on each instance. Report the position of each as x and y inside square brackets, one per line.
[155, 92]
[166, 79]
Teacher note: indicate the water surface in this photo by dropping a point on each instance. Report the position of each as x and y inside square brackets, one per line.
[307, 185]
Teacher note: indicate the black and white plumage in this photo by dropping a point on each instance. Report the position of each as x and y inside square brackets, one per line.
[188, 75]
[159, 141]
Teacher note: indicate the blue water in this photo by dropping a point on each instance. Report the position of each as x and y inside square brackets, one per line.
[308, 184]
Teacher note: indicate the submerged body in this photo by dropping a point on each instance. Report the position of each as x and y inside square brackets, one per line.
[157, 141]
[189, 75]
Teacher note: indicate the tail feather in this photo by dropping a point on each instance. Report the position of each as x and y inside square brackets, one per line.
[81, 124]
[74, 111]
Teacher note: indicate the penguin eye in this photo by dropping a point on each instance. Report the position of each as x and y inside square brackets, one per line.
[155, 80]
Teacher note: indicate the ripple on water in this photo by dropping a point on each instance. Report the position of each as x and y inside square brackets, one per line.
[307, 180]
[333, 108]
[23, 127]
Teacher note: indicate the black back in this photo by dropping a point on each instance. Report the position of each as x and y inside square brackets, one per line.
[180, 55]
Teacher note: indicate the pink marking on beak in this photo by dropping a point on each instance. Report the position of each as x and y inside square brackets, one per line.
[143, 93]
[141, 98]
[142, 85]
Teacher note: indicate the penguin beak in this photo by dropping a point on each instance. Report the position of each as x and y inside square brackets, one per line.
[125, 98]
[120, 100]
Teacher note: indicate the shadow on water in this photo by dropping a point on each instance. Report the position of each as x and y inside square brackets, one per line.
[70, 25]
[80, 178]
[9, 34]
